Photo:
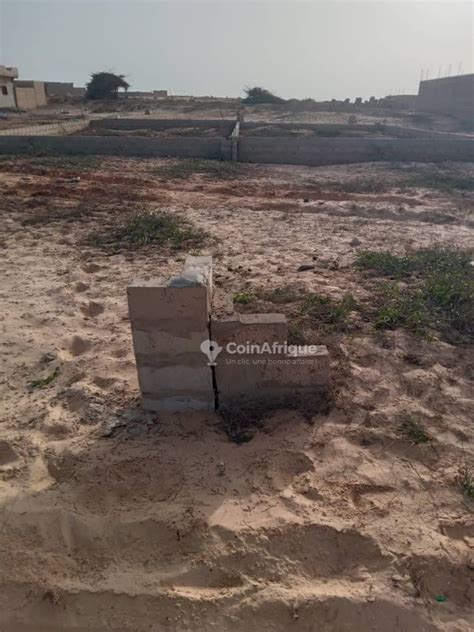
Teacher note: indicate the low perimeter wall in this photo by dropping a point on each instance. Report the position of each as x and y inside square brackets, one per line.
[339, 130]
[190, 147]
[329, 151]
[225, 127]
[50, 129]
[297, 151]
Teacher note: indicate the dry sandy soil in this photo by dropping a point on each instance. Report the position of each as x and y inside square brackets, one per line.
[113, 519]
[221, 109]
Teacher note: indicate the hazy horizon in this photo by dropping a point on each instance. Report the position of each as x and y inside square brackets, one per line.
[321, 50]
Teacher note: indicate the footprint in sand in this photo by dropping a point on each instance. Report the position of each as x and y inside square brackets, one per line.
[103, 382]
[79, 346]
[90, 268]
[80, 286]
[92, 309]
[119, 352]
[7, 454]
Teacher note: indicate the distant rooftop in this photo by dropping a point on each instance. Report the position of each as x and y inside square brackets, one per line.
[8, 71]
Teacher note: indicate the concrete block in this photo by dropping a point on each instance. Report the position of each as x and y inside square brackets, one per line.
[251, 328]
[201, 266]
[179, 299]
[179, 379]
[170, 320]
[273, 379]
[178, 403]
[167, 345]
[199, 269]
[159, 361]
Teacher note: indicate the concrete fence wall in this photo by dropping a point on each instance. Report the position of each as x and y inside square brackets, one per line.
[412, 132]
[225, 127]
[323, 127]
[186, 147]
[340, 128]
[327, 151]
[51, 129]
[449, 95]
[299, 151]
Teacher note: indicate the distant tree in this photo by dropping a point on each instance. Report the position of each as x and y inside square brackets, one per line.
[260, 95]
[105, 85]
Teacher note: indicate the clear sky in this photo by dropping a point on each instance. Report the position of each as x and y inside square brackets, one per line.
[319, 49]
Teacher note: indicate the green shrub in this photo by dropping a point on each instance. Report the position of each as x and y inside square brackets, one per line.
[438, 290]
[413, 430]
[160, 227]
[258, 95]
[327, 311]
[244, 298]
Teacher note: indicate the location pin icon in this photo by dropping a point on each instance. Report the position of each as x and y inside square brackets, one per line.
[212, 350]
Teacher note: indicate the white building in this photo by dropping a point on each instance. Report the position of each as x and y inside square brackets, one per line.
[7, 91]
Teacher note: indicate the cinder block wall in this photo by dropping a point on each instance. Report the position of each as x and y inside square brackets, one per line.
[188, 147]
[171, 325]
[224, 126]
[320, 151]
[50, 129]
[271, 380]
[327, 151]
[170, 320]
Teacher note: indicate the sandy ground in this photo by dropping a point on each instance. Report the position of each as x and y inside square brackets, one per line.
[113, 519]
[55, 112]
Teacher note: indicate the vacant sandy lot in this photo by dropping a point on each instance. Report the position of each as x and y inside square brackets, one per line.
[113, 519]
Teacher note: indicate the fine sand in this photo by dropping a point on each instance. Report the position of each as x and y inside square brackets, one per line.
[113, 519]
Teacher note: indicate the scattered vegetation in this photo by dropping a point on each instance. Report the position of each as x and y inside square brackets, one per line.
[244, 298]
[257, 95]
[437, 290]
[296, 334]
[323, 310]
[466, 479]
[359, 185]
[187, 167]
[105, 85]
[159, 227]
[82, 163]
[446, 180]
[42, 383]
[280, 295]
[306, 311]
[413, 430]
[440, 181]
[52, 213]
[38, 163]
[418, 178]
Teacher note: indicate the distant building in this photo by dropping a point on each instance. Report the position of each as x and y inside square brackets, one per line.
[400, 101]
[30, 94]
[448, 95]
[63, 89]
[141, 94]
[7, 91]
[58, 88]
